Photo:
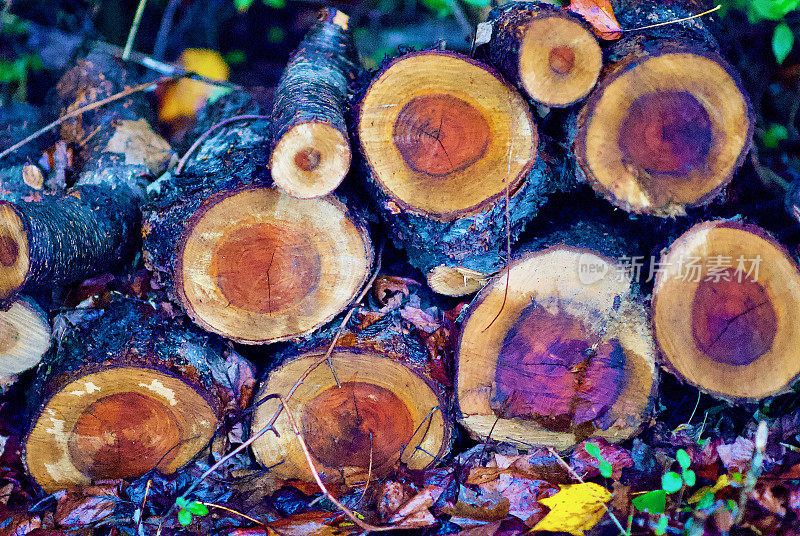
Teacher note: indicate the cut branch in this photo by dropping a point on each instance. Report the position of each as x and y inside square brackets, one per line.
[310, 148]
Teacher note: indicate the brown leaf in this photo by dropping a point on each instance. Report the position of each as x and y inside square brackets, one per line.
[308, 524]
[600, 15]
[416, 512]
[81, 507]
[140, 145]
[386, 286]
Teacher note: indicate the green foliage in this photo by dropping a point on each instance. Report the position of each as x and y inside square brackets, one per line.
[244, 5]
[187, 509]
[661, 526]
[593, 450]
[782, 41]
[671, 482]
[654, 502]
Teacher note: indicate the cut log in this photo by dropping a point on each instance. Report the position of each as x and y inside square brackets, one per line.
[549, 52]
[256, 265]
[125, 391]
[561, 354]
[669, 122]
[446, 142]
[24, 336]
[382, 406]
[726, 305]
[311, 148]
[92, 228]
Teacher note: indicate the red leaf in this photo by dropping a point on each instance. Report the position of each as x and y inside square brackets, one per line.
[600, 15]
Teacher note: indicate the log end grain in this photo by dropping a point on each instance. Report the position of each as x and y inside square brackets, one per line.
[14, 252]
[24, 336]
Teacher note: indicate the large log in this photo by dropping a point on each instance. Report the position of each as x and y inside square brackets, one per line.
[126, 390]
[549, 52]
[669, 122]
[557, 348]
[244, 259]
[93, 227]
[726, 305]
[310, 147]
[377, 404]
[455, 164]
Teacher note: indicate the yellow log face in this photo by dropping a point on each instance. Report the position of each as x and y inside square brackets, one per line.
[14, 257]
[261, 266]
[664, 132]
[569, 356]
[117, 423]
[310, 160]
[24, 336]
[559, 60]
[381, 406]
[443, 134]
[726, 307]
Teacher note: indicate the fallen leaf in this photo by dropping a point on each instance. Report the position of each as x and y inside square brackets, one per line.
[140, 145]
[185, 97]
[600, 15]
[574, 509]
[82, 507]
[589, 467]
[737, 455]
[416, 512]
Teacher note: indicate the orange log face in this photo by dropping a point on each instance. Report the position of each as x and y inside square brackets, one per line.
[440, 134]
[555, 371]
[561, 60]
[308, 159]
[265, 269]
[123, 436]
[667, 133]
[346, 426]
[733, 319]
[9, 251]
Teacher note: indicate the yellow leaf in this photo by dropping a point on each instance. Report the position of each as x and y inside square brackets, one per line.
[722, 482]
[574, 509]
[185, 97]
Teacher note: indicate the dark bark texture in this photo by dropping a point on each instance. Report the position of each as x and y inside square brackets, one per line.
[313, 88]
[476, 241]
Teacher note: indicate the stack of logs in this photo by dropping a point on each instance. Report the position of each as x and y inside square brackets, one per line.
[267, 235]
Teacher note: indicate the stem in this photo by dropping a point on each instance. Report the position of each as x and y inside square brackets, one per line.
[134, 28]
[208, 132]
[164, 29]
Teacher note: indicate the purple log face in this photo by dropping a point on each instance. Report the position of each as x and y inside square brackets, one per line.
[553, 370]
[733, 320]
[668, 133]
[440, 134]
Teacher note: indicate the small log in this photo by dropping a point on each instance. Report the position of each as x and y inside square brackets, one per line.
[93, 227]
[256, 265]
[550, 53]
[125, 391]
[669, 122]
[377, 404]
[726, 304]
[446, 142]
[311, 148]
[24, 336]
[561, 354]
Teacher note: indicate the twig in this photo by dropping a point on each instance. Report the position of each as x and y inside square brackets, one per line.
[137, 18]
[144, 502]
[79, 111]
[665, 23]
[349, 513]
[756, 465]
[575, 475]
[164, 29]
[231, 510]
[369, 470]
[203, 137]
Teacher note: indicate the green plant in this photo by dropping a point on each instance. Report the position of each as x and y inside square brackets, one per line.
[594, 451]
[774, 10]
[187, 508]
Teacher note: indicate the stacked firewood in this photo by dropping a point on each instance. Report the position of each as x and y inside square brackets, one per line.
[478, 167]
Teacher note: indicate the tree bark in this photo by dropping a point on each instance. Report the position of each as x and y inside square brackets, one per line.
[126, 390]
[92, 228]
[725, 306]
[557, 348]
[669, 122]
[311, 147]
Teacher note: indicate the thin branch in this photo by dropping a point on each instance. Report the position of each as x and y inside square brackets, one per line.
[137, 18]
[82, 109]
[162, 37]
[231, 510]
[349, 513]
